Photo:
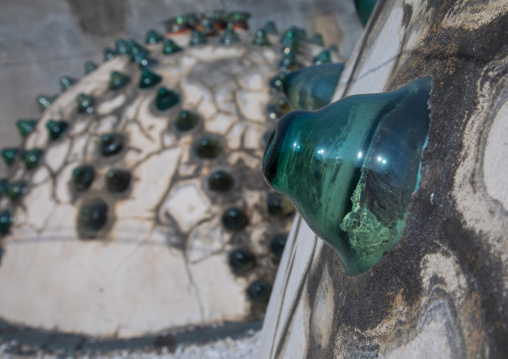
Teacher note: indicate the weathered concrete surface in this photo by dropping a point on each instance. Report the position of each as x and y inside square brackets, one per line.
[442, 291]
[45, 39]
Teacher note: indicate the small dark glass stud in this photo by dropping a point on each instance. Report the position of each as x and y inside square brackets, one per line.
[90, 67]
[6, 221]
[93, 215]
[15, 190]
[278, 243]
[170, 47]
[3, 186]
[220, 181]
[323, 57]
[117, 180]
[261, 39]
[278, 204]
[165, 99]
[56, 129]
[259, 291]
[118, 80]
[31, 158]
[208, 147]
[111, 144]
[9, 155]
[82, 177]
[271, 28]
[234, 219]
[121, 46]
[241, 260]
[85, 103]
[25, 127]
[186, 120]
[109, 54]
[197, 38]
[153, 37]
[45, 101]
[148, 79]
[66, 83]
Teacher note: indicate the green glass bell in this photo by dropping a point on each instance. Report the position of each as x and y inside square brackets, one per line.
[9, 155]
[85, 103]
[90, 67]
[31, 158]
[66, 83]
[6, 222]
[45, 101]
[117, 80]
[312, 87]
[261, 39]
[3, 186]
[197, 38]
[93, 216]
[148, 79]
[121, 47]
[364, 9]
[153, 37]
[26, 127]
[56, 129]
[170, 47]
[323, 57]
[230, 37]
[109, 54]
[271, 28]
[350, 168]
[15, 190]
[165, 99]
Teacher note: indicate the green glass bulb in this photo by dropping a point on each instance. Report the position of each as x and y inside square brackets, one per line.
[293, 36]
[26, 127]
[207, 147]
[350, 168]
[31, 158]
[241, 260]
[170, 47]
[317, 40]
[323, 57]
[364, 9]
[66, 83]
[186, 120]
[15, 190]
[117, 80]
[261, 39]
[85, 103]
[45, 101]
[6, 222]
[93, 216]
[230, 37]
[197, 38]
[271, 28]
[82, 177]
[121, 46]
[56, 129]
[148, 79]
[234, 219]
[9, 155]
[90, 67]
[259, 291]
[165, 99]
[117, 180]
[153, 37]
[111, 144]
[312, 87]
[109, 54]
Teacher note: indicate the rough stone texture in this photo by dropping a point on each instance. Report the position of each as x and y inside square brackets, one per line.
[43, 40]
[442, 291]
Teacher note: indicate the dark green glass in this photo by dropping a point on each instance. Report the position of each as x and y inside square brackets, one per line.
[277, 244]
[261, 39]
[26, 127]
[234, 219]
[186, 120]
[278, 108]
[93, 215]
[121, 47]
[117, 180]
[9, 155]
[109, 54]
[111, 144]
[271, 28]
[3, 186]
[278, 205]
[259, 291]
[351, 167]
[117, 80]
[137, 52]
[153, 37]
[15, 190]
[170, 47]
[148, 79]
[66, 83]
[90, 67]
[220, 181]
[293, 35]
[277, 82]
[207, 147]
[312, 87]
[31, 158]
[45, 101]
[364, 9]
[56, 129]
[230, 37]
[85, 103]
[317, 40]
[323, 57]
[165, 99]
[197, 38]
[6, 222]
[82, 177]
[241, 260]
